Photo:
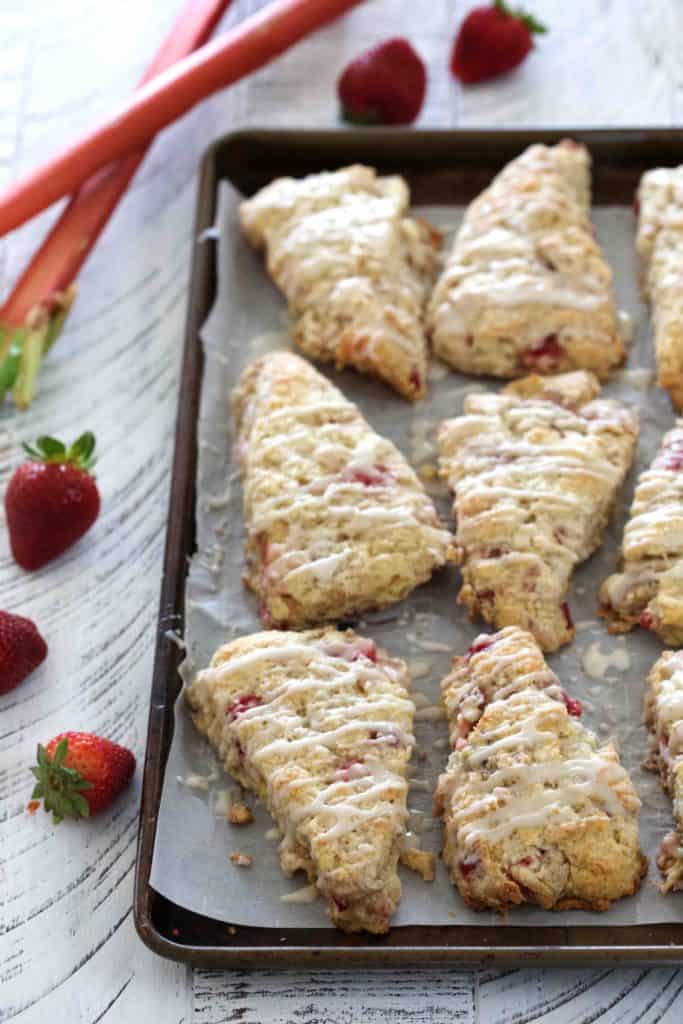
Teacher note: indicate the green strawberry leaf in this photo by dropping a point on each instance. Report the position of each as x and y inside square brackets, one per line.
[534, 26]
[60, 753]
[50, 447]
[52, 450]
[82, 449]
[60, 787]
[81, 805]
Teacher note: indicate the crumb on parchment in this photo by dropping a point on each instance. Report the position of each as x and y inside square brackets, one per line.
[240, 814]
[240, 860]
[420, 861]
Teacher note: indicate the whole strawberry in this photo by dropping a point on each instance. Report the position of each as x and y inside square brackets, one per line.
[79, 774]
[22, 649]
[385, 85]
[51, 500]
[492, 39]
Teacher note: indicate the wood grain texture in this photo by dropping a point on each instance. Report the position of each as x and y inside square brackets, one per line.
[68, 951]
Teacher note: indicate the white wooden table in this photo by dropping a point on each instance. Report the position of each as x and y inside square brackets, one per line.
[68, 949]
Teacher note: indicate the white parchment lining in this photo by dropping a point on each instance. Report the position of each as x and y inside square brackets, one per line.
[191, 864]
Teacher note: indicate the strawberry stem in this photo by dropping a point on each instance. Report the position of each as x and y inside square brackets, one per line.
[535, 27]
[50, 449]
[59, 787]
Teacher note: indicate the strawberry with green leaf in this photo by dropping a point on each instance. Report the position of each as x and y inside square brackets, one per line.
[79, 774]
[493, 39]
[52, 499]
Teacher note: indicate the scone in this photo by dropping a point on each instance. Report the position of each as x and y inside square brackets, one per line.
[354, 267]
[319, 726]
[536, 809]
[526, 287]
[337, 522]
[648, 589]
[664, 719]
[535, 470]
[660, 247]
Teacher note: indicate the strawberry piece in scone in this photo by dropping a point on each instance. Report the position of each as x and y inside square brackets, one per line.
[535, 470]
[664, 719]
[659, 242]
[337, 521]
[526, 286]
[536, 809]
[319, 725]
[355, 269]
[648, 588]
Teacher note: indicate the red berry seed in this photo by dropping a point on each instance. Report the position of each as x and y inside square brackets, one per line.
[242, 704]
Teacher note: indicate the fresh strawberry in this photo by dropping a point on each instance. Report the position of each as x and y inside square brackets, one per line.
[22, 649]
[51, 500]
[492, 39]
[79, 774]
[385, 85]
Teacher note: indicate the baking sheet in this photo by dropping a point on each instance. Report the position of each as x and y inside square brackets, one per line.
[191, 864]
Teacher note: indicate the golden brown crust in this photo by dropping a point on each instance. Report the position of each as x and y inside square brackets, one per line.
[337, 521]
[648, 588]
[526, 286]
[319, 725]
[664, 719]
[535, 470]
[535, 809]
[660, 247]
[354, 267]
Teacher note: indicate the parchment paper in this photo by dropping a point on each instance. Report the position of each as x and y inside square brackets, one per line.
[191, 863]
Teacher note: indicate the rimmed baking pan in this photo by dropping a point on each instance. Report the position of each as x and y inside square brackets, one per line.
[441, 167]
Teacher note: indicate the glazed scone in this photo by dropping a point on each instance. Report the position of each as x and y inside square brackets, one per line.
[536, 809]
[660, 247]
[664, 719]
[526, 287]
[319, 725]
[535, 470]
[337, 521]
[648, 589]
[354, 267]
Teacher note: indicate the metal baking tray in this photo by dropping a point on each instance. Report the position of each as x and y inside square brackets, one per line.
[441, 167]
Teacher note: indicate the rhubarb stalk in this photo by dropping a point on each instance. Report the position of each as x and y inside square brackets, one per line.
[33, 315]
[241, 50]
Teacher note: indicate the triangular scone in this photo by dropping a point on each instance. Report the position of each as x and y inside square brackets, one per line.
[535, 470]
[526, 287]
[664, 718]
[355, 269]
[648, 589]
[536, 809]
[337, 521]
[660, 246]
[319, 725]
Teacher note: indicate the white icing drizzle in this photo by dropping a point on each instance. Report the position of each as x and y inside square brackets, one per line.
[532, 478]
[670, 699]
[525, 762]
[350, 262]
[501, 255]
[307, 894]
[305, 700]
[527, 793]
[653, 537]
[596, 664]
[322, 495]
